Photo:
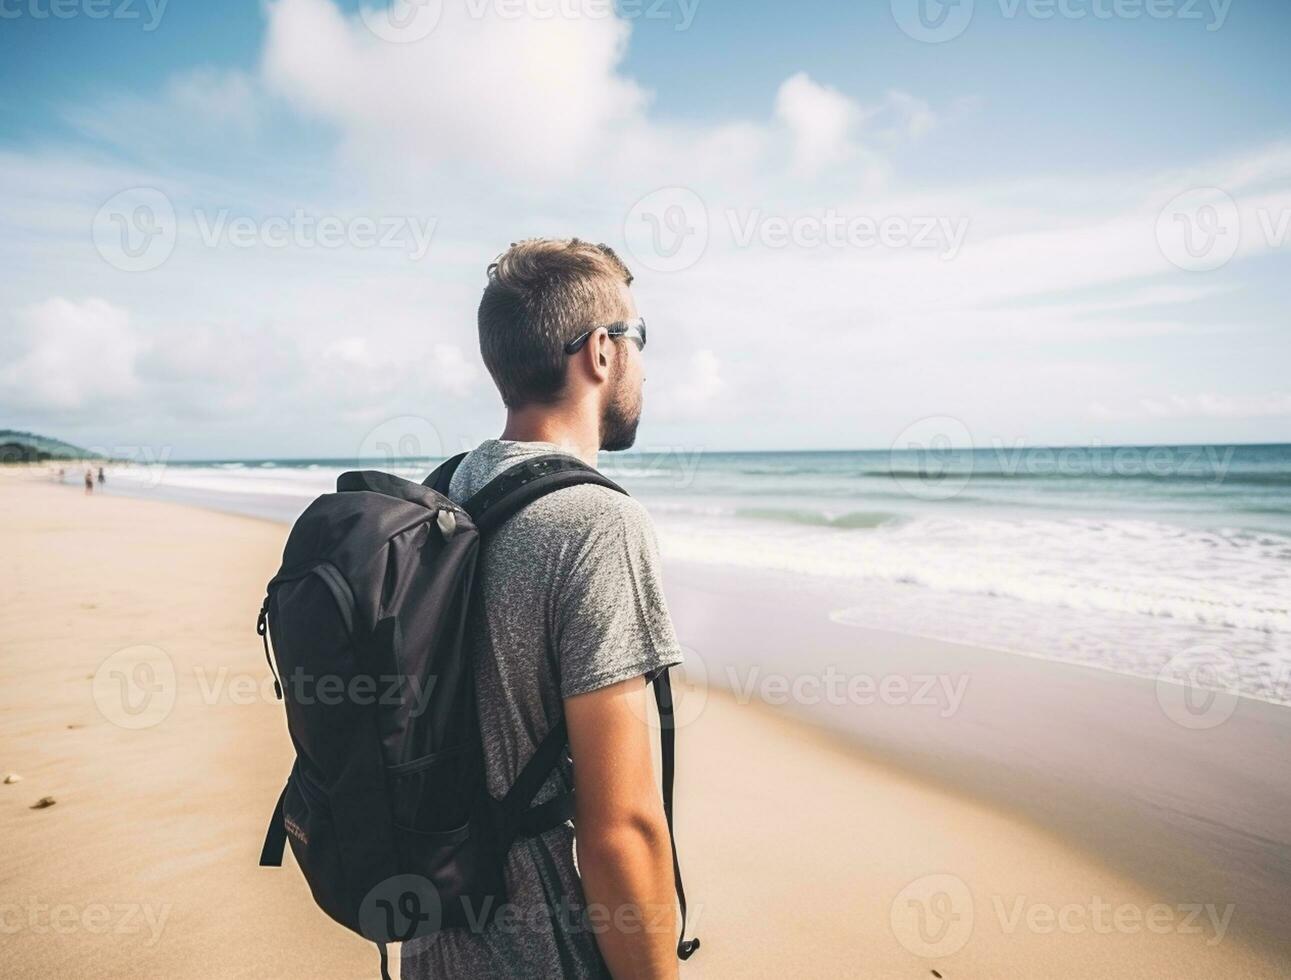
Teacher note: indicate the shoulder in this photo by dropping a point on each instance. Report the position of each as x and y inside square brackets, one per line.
[592, 510]
[577, 533]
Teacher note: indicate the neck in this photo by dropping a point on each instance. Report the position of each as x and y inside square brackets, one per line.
[577, 434]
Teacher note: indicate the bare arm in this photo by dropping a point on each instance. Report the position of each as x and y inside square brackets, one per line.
[624, 855]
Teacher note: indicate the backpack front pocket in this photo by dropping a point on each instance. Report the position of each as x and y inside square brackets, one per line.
[432, 795]
[307, 818]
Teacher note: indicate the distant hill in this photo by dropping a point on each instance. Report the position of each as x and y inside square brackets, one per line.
[27, 447]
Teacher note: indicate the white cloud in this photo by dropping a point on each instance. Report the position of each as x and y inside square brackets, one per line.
[70, 355]
[218, 97]
[828, 127]
[693, 389]
[195, 115]
[822, 121]
[530, 95]
[451, 370]
[915, 117]
[350, 351]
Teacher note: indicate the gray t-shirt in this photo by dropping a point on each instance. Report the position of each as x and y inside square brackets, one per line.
[571, 602]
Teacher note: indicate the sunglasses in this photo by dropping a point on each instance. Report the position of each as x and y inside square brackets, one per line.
[634, 330]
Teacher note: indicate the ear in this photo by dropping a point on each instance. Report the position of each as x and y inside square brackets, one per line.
[599, 352]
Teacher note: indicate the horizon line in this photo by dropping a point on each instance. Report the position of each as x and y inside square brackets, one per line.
[735, 452]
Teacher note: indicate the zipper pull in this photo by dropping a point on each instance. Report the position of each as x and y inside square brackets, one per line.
[447, 522]
[262, 630]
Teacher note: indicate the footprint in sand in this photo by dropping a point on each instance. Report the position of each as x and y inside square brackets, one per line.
[43, 803]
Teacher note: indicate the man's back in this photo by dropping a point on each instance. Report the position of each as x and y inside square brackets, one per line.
[570, 601]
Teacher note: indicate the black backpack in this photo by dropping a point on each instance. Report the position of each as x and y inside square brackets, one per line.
[386, 806]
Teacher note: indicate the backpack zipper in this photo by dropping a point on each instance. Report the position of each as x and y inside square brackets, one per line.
[336, 584]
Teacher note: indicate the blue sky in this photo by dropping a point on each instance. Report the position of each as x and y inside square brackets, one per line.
[1050, 159]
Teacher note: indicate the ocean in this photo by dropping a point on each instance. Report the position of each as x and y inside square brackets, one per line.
[1156, 561]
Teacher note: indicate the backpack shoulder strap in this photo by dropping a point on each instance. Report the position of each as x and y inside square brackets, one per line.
[442, 474]
[501, 498]
[275, 838]
[521, 820]
[522, 484]
[668, 740]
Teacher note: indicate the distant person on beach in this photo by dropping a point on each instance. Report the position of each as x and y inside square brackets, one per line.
[89, 481]
[572, 623]
[102, 478]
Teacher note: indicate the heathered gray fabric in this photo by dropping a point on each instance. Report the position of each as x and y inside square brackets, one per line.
[574, 575]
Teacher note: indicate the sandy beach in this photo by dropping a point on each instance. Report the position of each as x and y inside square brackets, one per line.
[1043, 821]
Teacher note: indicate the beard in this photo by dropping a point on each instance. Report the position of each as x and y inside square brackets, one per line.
[620, 419]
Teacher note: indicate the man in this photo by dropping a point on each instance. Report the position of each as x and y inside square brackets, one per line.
[572, 620]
